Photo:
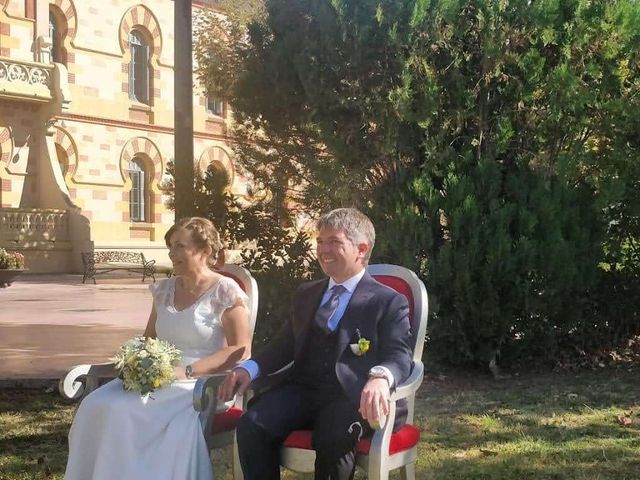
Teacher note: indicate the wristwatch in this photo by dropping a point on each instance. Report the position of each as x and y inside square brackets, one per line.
[188, 372]
[379, 372]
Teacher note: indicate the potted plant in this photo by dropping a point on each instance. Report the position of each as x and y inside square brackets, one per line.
[11, 265]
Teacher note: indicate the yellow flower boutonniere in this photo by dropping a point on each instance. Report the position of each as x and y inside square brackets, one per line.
[362, 346]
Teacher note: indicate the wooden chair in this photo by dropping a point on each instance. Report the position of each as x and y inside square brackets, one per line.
[386, 450]
[218, 429]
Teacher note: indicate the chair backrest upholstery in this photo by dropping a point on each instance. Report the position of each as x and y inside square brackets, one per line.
[407, 283]
[248, 284]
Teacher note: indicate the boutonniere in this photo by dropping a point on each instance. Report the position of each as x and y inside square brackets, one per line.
[361, 346]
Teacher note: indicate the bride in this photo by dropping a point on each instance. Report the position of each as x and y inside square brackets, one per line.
[118, 435]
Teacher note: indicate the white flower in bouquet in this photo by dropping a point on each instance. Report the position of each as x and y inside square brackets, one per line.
[146, 364]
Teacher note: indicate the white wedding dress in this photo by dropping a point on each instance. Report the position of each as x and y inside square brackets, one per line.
[118, 435]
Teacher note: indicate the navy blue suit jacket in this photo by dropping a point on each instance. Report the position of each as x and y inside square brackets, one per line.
[380, 314]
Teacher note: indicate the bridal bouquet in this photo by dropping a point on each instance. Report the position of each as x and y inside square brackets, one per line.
[146, 364]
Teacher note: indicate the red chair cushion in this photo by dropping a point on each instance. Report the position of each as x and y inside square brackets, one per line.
[399, 286]
[223, 422]
[404, 439]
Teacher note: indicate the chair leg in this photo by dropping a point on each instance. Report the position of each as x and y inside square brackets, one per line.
[378, 471]
[408, 472]
[378, 474]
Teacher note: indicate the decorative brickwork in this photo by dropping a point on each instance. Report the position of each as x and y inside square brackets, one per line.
[145, 150]
[6, 152]
[66, 143]
[217, 154]
[141, 18]
[144, 147]
[140, 234]
[66, 10]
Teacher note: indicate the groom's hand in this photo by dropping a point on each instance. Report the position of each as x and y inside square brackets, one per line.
[374, 401]
[236, 381]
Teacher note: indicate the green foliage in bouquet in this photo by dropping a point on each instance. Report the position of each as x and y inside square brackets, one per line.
[11, 260]
[146, 364]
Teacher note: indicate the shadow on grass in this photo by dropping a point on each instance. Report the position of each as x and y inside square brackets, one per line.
[33, 438]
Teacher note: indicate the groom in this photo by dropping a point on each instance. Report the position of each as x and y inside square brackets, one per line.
[332, 390]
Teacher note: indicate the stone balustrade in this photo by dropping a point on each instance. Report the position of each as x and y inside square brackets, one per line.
[26, 80]
[25, 227]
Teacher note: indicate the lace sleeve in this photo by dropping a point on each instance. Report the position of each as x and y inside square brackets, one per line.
[160, 290]
[229, 293]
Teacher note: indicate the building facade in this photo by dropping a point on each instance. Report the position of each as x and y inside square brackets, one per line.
[86, 128]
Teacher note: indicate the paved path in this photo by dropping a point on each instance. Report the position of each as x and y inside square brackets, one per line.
[51, 322]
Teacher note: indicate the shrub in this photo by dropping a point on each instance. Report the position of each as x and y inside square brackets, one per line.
[11, 260]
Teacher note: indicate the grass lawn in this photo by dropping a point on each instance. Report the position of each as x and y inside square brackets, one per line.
[548, 426]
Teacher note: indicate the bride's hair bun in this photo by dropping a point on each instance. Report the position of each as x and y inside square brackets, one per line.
[203, 234]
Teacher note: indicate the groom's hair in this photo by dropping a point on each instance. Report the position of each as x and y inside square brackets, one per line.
[356, 226]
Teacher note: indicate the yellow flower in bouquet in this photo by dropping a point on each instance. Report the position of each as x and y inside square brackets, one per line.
[146, 364]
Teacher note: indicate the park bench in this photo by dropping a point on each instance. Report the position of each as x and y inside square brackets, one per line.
[103, 261]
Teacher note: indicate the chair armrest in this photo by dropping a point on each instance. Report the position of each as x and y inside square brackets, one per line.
[205, 392]
[378, 452]
[148, 263]
[205, 402]
[81, 380]
[207, 387]
[411, 384]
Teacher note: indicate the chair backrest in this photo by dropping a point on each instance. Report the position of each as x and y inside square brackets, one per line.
[248, 284]
[407, 283]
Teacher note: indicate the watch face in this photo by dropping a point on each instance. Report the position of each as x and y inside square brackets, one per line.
[377, 371]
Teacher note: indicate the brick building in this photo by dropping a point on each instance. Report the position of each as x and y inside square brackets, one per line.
[86, 128]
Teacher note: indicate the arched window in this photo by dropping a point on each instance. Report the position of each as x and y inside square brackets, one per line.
[138, 193]
[57, 30]
[63, 159]
[138, 68]
[214, 106]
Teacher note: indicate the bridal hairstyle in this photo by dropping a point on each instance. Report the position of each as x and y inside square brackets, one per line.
[203, 234]
[356, 227]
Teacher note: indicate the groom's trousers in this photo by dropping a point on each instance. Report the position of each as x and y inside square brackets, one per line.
[335, 423]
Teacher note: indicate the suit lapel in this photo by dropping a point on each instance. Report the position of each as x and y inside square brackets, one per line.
[307, 312]
[354, 313]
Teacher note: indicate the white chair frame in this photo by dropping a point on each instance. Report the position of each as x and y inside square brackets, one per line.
[204, 394]
[378, 463]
